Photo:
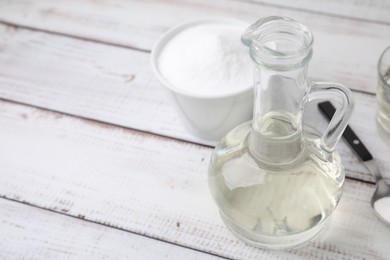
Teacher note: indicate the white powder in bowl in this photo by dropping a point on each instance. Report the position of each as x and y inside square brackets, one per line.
[208, 60]
[382, 207]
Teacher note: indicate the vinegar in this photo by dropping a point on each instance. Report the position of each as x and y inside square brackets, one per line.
[263, 201]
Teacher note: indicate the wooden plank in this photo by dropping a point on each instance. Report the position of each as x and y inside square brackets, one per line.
[370, 11]
[150, 185]
[32, 233]
[346, 51]
[91, 78]
[115, 85]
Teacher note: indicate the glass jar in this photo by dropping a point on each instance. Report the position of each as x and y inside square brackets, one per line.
[383, 96]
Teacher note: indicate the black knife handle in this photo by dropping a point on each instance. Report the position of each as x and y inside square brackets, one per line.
[349, 135]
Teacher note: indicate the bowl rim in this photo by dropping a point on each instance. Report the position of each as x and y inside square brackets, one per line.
[168, 35]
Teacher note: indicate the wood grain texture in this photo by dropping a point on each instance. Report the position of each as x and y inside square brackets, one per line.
[345, 50]
[139, 182]
[115, 85]
[83, 78]
[32, 233]
[370, 11]
[152, 186]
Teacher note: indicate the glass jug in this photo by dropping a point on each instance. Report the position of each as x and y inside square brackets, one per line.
[276, 181]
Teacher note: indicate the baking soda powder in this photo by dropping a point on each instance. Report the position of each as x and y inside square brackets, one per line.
[207, 60]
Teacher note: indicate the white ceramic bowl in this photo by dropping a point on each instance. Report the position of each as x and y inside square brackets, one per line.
[206, 117]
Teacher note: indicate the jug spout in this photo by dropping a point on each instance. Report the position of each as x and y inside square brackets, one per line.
[279, 43]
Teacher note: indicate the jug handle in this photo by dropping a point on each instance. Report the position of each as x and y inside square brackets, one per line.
[340, 119]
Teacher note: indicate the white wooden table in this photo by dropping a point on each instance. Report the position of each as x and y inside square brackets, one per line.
[94, 162]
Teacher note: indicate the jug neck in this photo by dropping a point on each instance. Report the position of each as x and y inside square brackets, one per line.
[281, 49]
[279, 95]
[277, 125]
